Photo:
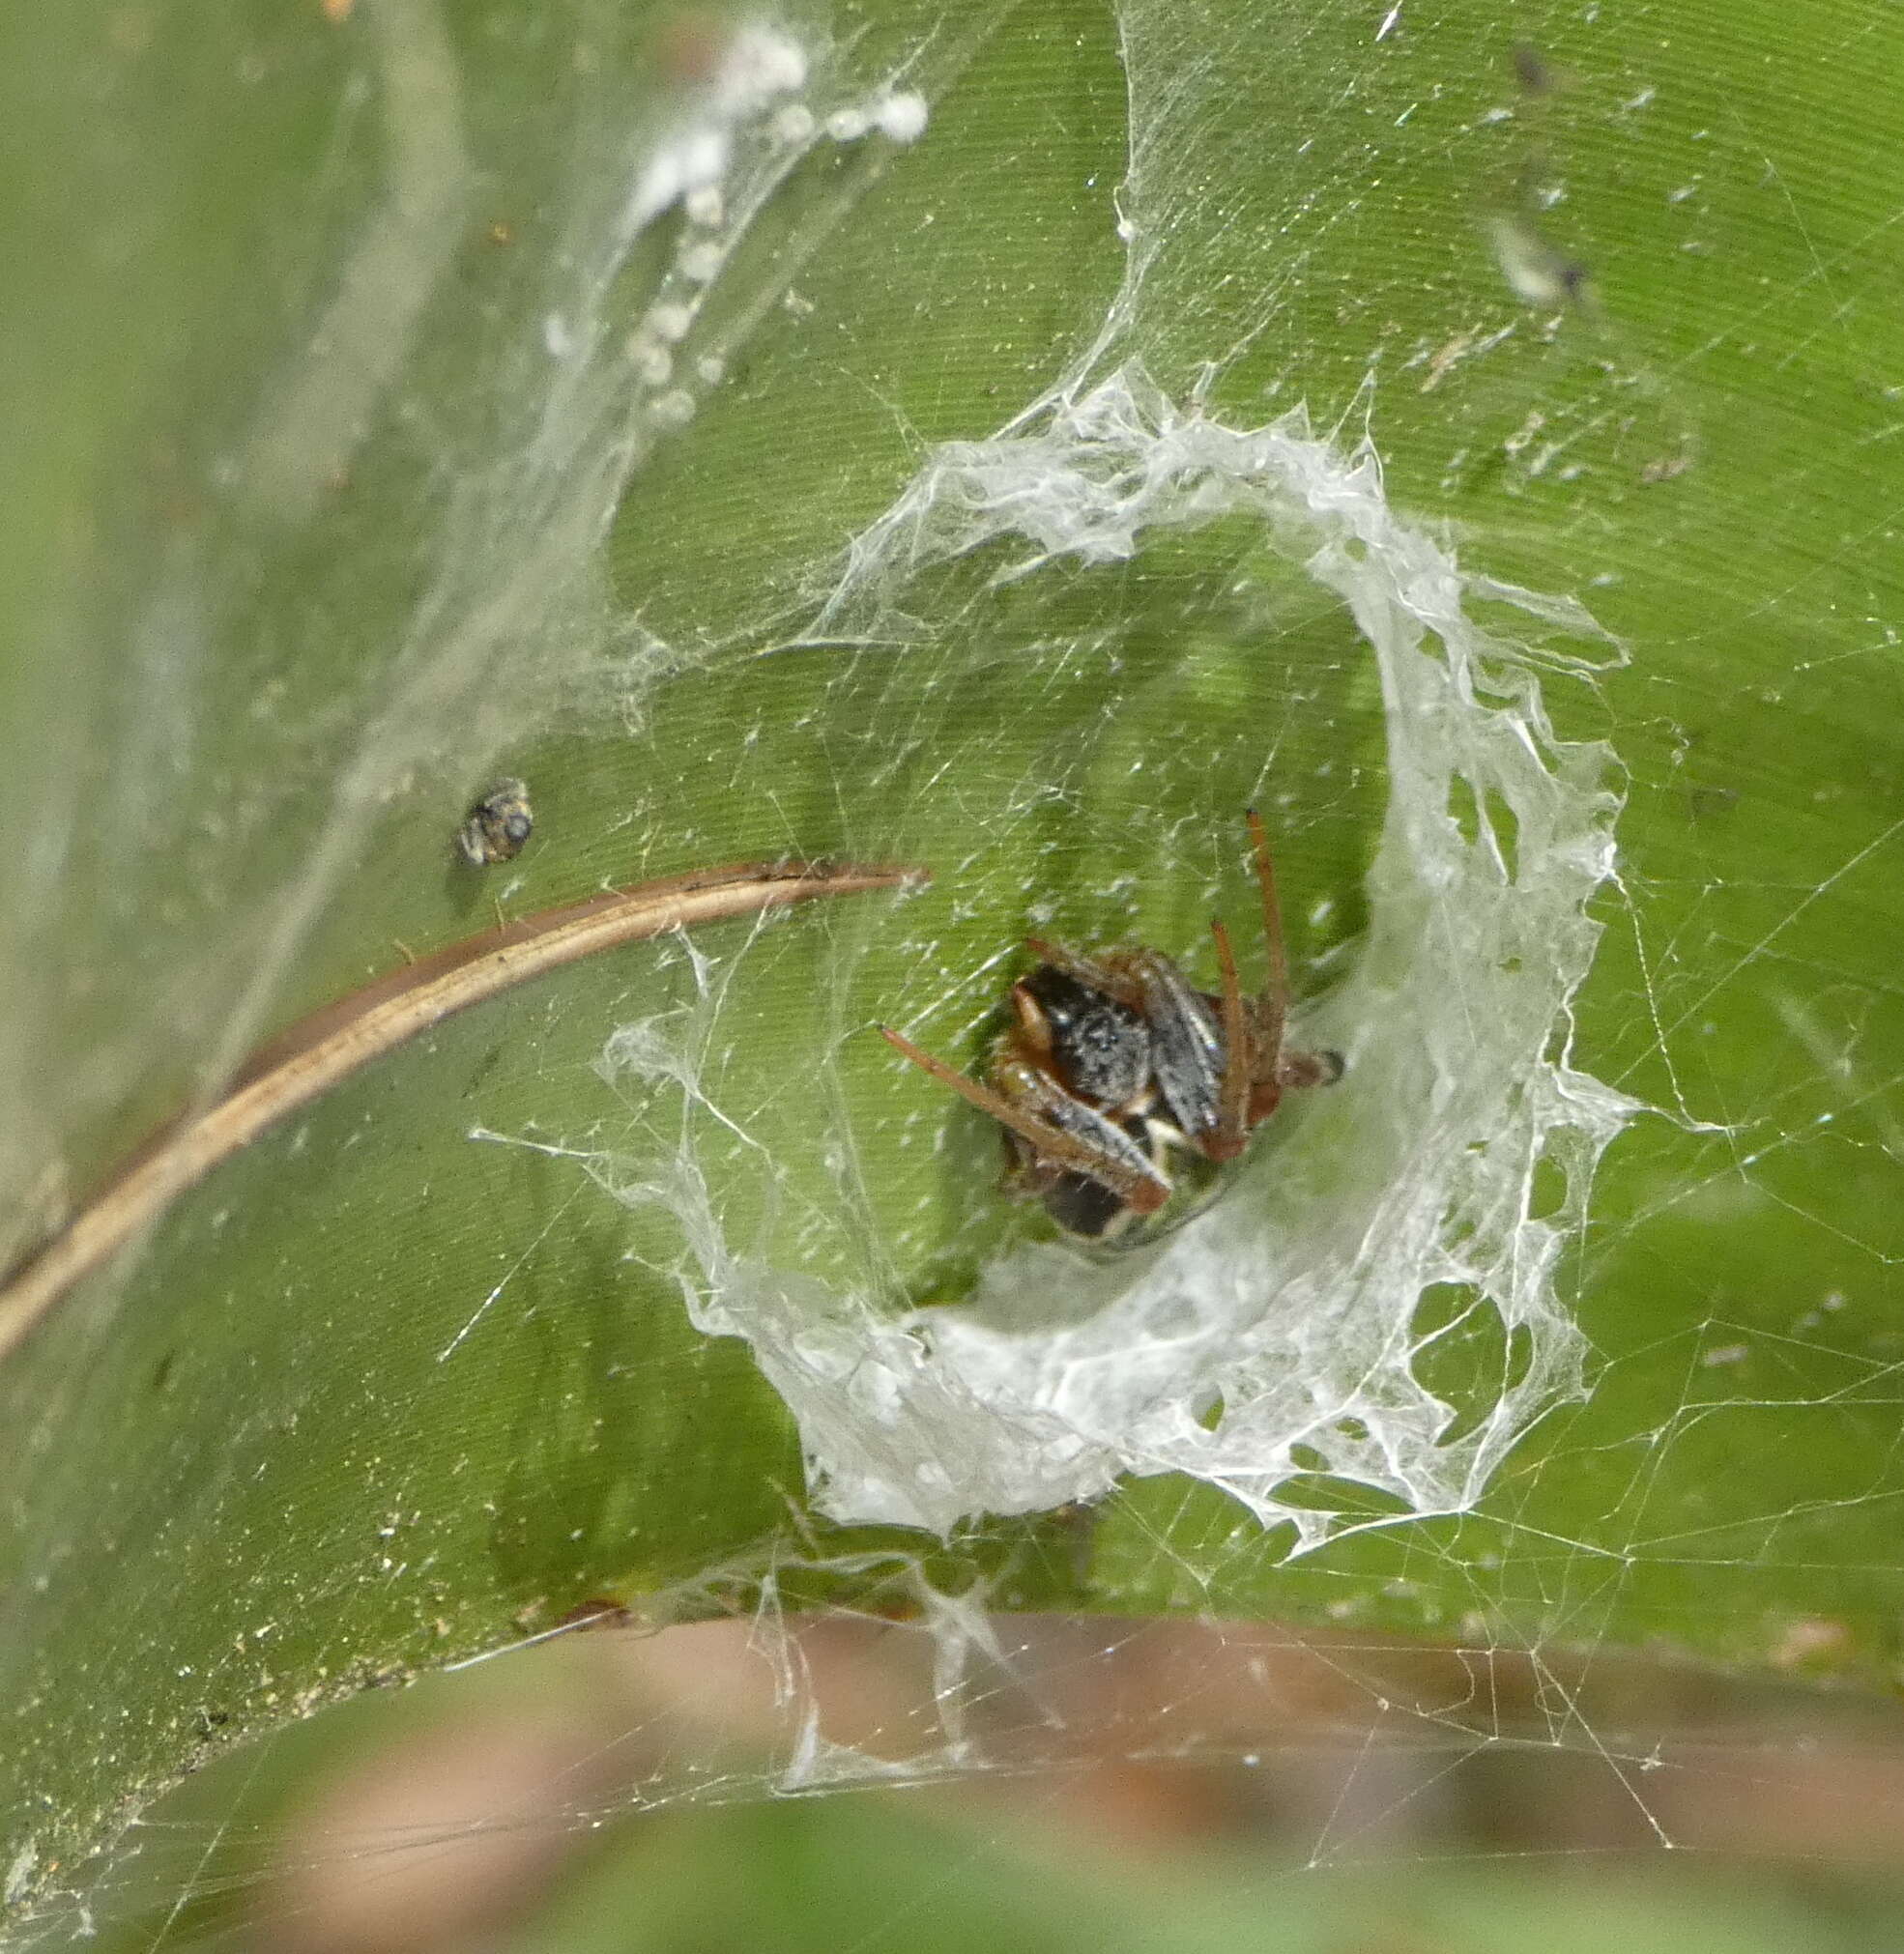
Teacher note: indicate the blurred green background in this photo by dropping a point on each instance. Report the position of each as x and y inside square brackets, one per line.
[1150, 1786]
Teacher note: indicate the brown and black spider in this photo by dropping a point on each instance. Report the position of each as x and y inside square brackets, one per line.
[1112, 1060]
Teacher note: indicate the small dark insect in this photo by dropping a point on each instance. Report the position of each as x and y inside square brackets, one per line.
[498, 825]
[1532, 71]
[1112, 1060]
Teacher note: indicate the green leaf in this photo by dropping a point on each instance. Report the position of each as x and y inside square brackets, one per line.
[366, 446]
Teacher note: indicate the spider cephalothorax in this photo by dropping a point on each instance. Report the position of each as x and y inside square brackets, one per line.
[1112, 1060]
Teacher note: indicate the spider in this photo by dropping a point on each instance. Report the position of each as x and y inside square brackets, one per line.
[1112, 1060]
[497, 827]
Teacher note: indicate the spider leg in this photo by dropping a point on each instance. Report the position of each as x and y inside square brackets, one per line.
[1144, 1193]
[1089, 973]
[1273, 1005]
[1240, 1088]
[1276, 1068]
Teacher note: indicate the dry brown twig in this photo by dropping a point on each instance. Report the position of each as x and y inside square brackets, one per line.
[323, 1050]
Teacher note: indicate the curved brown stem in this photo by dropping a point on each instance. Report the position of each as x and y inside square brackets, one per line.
[340, 1039]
